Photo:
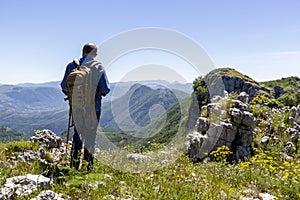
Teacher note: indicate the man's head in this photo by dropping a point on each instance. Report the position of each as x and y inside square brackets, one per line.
[89, 49]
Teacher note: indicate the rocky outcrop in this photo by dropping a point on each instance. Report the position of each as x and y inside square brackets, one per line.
[221, 126]
[292, 131]
[292, 145]
[23, 185]
[47, 138]
[50, 153]
[229, 80]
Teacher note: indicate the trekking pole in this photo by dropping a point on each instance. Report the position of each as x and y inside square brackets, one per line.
[69, 123]
[69, 126]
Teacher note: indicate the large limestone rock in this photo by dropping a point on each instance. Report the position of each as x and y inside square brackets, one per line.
[231, 127]
[49, 153]
[229, 80]
[47, 138]
[23, 185]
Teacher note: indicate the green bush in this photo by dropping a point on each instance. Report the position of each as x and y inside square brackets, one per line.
[290, 99]
[201, 91]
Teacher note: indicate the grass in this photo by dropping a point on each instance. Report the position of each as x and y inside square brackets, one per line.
[183, 179]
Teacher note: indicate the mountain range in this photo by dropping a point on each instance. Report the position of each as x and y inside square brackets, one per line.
[27, 107]
[130, 106]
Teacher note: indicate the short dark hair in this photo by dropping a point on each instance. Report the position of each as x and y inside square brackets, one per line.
[89, 49]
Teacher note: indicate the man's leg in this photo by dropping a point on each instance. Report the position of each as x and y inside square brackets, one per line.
[76, 148]
[90, 143]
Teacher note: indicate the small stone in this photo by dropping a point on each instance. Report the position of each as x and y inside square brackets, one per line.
[108, 177]
[223, 195]
[264, 141]
[122, 183]
[286, 157]
[266, 196]
[138, 157]
[289, 147]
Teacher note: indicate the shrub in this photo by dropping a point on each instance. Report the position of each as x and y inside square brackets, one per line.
[201, 91]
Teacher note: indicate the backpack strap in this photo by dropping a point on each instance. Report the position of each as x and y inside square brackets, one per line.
[94, 64]
[76, 62]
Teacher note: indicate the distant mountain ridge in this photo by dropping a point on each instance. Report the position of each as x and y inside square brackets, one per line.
[31, 99]
[140, 103]
[40, 97]
[19, 116]
[9, 134]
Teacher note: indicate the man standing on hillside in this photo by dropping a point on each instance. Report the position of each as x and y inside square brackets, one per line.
[85, 130]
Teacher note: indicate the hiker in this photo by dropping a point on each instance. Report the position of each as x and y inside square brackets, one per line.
[85, 117]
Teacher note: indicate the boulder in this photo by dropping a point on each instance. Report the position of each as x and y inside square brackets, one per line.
[243, 97]
[47, 138]
[248, 119]
[233, 128]
[278, 91]
[202, 124]
[194, 143]
[23, 185]
[290, 148]
[236, 115]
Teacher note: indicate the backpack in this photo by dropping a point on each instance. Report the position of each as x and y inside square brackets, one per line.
[81, 89]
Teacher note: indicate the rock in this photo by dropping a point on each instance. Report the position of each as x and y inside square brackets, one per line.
[50, 195]
[278, 91]
[223, 195]
[236, 115]
[264, 141]
[294, 134]
[240, 105]
[291, 120]
[214, 130]
[235, 126]
[243, 97]
[194, 142]
[108, 177]
[242, 153]
[296, 114]
[266, 196]
[202, 124]
[248, 119]
[96, 185]
[50, 157]
[47, 138]
[231, 131]
[289, 148]
[23, 185]
[286, 157]
[138, 157]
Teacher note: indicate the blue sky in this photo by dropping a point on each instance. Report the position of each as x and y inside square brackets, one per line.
[260, 38]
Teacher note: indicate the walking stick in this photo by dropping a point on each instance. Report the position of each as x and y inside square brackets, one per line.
[69, 123]
[69, 126]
